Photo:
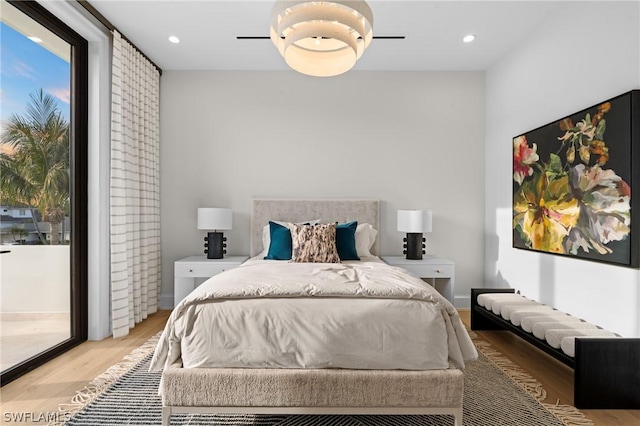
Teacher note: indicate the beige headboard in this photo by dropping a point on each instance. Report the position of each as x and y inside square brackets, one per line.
[328, 211]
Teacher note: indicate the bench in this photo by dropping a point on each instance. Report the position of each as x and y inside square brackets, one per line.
[606, 369]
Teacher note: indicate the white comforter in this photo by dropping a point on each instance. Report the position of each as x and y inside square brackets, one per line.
[274, 314]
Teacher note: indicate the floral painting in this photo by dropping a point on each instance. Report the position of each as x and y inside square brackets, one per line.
[572, 183]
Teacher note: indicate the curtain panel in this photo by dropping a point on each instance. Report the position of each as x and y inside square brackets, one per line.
[134, 187]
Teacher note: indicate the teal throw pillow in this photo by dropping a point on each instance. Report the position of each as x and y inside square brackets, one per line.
[280, 245]
[346, 240]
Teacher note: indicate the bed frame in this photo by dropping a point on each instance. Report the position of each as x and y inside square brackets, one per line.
[312, 391]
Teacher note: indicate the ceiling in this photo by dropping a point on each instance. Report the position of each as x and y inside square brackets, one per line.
[434, 29]
[23, 24]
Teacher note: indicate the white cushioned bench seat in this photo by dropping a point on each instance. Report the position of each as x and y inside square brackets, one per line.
[530, 311]
[568, 344]
[508, 310]
[487, 299]
[540, 329]
[528, 321]
[554, 337]
[508, 306]
[544, 322]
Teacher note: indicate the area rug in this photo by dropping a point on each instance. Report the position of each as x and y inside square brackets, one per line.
[496, 393]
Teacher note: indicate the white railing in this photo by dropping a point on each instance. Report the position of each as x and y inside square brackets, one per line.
[34, 279]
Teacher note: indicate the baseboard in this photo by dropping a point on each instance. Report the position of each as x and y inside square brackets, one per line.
[462, 302]
[166, 302]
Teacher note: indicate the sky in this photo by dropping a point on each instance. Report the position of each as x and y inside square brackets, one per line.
[25, 67]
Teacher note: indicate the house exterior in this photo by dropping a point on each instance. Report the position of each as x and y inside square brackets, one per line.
[18, 227]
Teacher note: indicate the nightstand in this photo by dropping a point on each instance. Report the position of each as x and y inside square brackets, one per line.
[439, 271]
[192, 271]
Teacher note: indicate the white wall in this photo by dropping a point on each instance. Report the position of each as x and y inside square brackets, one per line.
[586, 55]
[414, 140]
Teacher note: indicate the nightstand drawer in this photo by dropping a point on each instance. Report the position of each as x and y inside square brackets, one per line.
[190, 272]
[431, 271]
[200, 269]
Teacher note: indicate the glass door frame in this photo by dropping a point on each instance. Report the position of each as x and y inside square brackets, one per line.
[78, 151]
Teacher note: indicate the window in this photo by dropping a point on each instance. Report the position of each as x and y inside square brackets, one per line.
[56, 207]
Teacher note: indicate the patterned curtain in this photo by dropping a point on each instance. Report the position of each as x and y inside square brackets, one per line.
[135, 187]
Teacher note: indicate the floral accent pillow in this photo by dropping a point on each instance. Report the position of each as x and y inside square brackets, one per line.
[314, 243]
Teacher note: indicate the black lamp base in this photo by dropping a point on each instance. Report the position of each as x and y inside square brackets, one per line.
[414, 246]
[215, 245]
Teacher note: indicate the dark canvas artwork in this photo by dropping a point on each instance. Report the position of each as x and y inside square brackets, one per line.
[572, 182]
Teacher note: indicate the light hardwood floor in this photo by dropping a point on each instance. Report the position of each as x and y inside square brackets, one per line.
[41, 390]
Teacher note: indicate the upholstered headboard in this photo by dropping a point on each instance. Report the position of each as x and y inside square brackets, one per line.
[284, 210]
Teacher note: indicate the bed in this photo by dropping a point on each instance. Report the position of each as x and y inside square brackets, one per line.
[356, 337]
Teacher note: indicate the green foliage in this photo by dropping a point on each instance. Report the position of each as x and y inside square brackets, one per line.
[35, 162]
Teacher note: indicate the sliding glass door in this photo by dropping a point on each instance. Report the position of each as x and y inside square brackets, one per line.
[43, 216]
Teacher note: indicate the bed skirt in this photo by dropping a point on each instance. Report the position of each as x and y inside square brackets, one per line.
[314, 391]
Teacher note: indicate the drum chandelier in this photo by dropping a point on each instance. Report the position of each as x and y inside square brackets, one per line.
[321, 38]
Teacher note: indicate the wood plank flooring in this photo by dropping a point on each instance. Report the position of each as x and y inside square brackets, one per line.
[41, 390]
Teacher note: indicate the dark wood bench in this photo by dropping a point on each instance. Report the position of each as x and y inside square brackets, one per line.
[606, 370]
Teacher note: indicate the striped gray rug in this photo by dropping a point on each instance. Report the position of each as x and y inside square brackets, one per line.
[496, 393]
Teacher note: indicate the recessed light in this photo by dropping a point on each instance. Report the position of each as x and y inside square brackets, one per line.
[35, 39]
[469, 38]
[174, 39]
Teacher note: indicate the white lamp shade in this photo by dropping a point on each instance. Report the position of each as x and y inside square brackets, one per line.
[412, 221]
[211, 218]
[324, 38]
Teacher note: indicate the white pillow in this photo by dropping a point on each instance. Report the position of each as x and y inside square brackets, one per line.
[266, 234]
[365, 237]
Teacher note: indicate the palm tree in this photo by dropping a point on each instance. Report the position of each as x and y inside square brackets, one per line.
[35, 167]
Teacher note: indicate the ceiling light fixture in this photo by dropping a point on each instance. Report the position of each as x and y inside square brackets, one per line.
[321, 38]
[174, 39]
[35, 39]
[469, 38]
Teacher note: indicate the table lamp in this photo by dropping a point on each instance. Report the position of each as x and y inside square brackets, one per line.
[214, 220]
[414, 223]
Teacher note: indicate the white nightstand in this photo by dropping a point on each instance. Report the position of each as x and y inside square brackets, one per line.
[440, 271]
[192, 271]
